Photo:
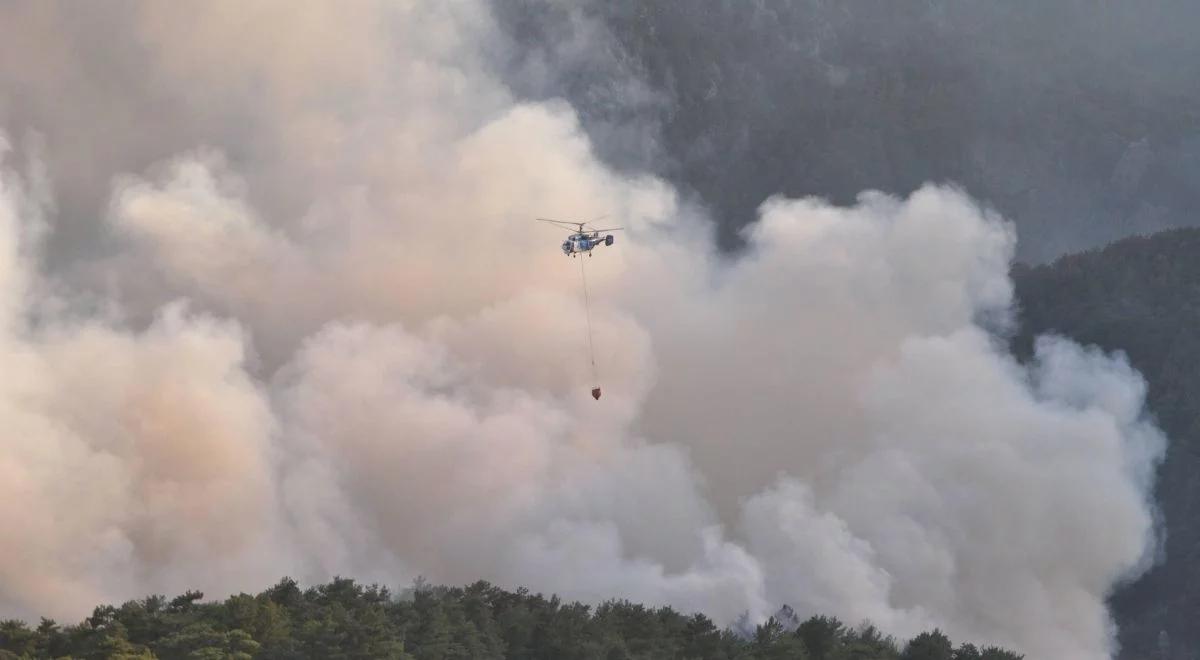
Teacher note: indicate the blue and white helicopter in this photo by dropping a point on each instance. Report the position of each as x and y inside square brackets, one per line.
[582, 240]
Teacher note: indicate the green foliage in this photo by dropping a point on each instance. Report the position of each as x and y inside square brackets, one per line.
[929, 646]
[822, 636]
[866, 643]
[16, 638]
[773, 642]
[344, 620]
[970, 652]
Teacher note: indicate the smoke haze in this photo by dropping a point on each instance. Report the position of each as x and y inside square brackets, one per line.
[277, 304]
[1073, 117]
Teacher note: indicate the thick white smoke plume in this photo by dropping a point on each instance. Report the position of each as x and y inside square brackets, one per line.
[325, 337]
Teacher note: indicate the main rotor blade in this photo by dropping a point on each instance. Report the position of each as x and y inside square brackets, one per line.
[610, 229]
[569, 226]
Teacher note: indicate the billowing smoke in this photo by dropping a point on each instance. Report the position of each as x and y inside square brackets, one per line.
[320, 334]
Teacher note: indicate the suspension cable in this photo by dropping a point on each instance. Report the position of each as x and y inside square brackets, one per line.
[587, 309]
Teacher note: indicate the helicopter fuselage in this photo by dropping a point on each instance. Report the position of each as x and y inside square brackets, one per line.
[583, 242]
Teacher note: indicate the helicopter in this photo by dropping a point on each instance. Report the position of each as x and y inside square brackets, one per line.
[582, 240]
[585, 240]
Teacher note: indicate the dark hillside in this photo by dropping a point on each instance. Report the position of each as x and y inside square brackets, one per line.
[1142, 296]
[1076, 119]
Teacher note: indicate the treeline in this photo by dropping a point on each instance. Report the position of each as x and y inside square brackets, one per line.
[344, 619]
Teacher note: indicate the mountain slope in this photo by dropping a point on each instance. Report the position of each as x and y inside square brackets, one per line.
[1142, 296]
[1076, 119]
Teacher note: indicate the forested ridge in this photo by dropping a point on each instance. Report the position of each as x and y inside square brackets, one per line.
[1141, 296]
[345, 619]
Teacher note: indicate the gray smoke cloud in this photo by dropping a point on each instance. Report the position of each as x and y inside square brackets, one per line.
[308, 326]
[1068, 115]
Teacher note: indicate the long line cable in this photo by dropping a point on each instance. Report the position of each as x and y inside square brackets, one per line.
[587, 310]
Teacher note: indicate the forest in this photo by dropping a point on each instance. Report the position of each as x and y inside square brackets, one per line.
[1141, 297]
[345, 619]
